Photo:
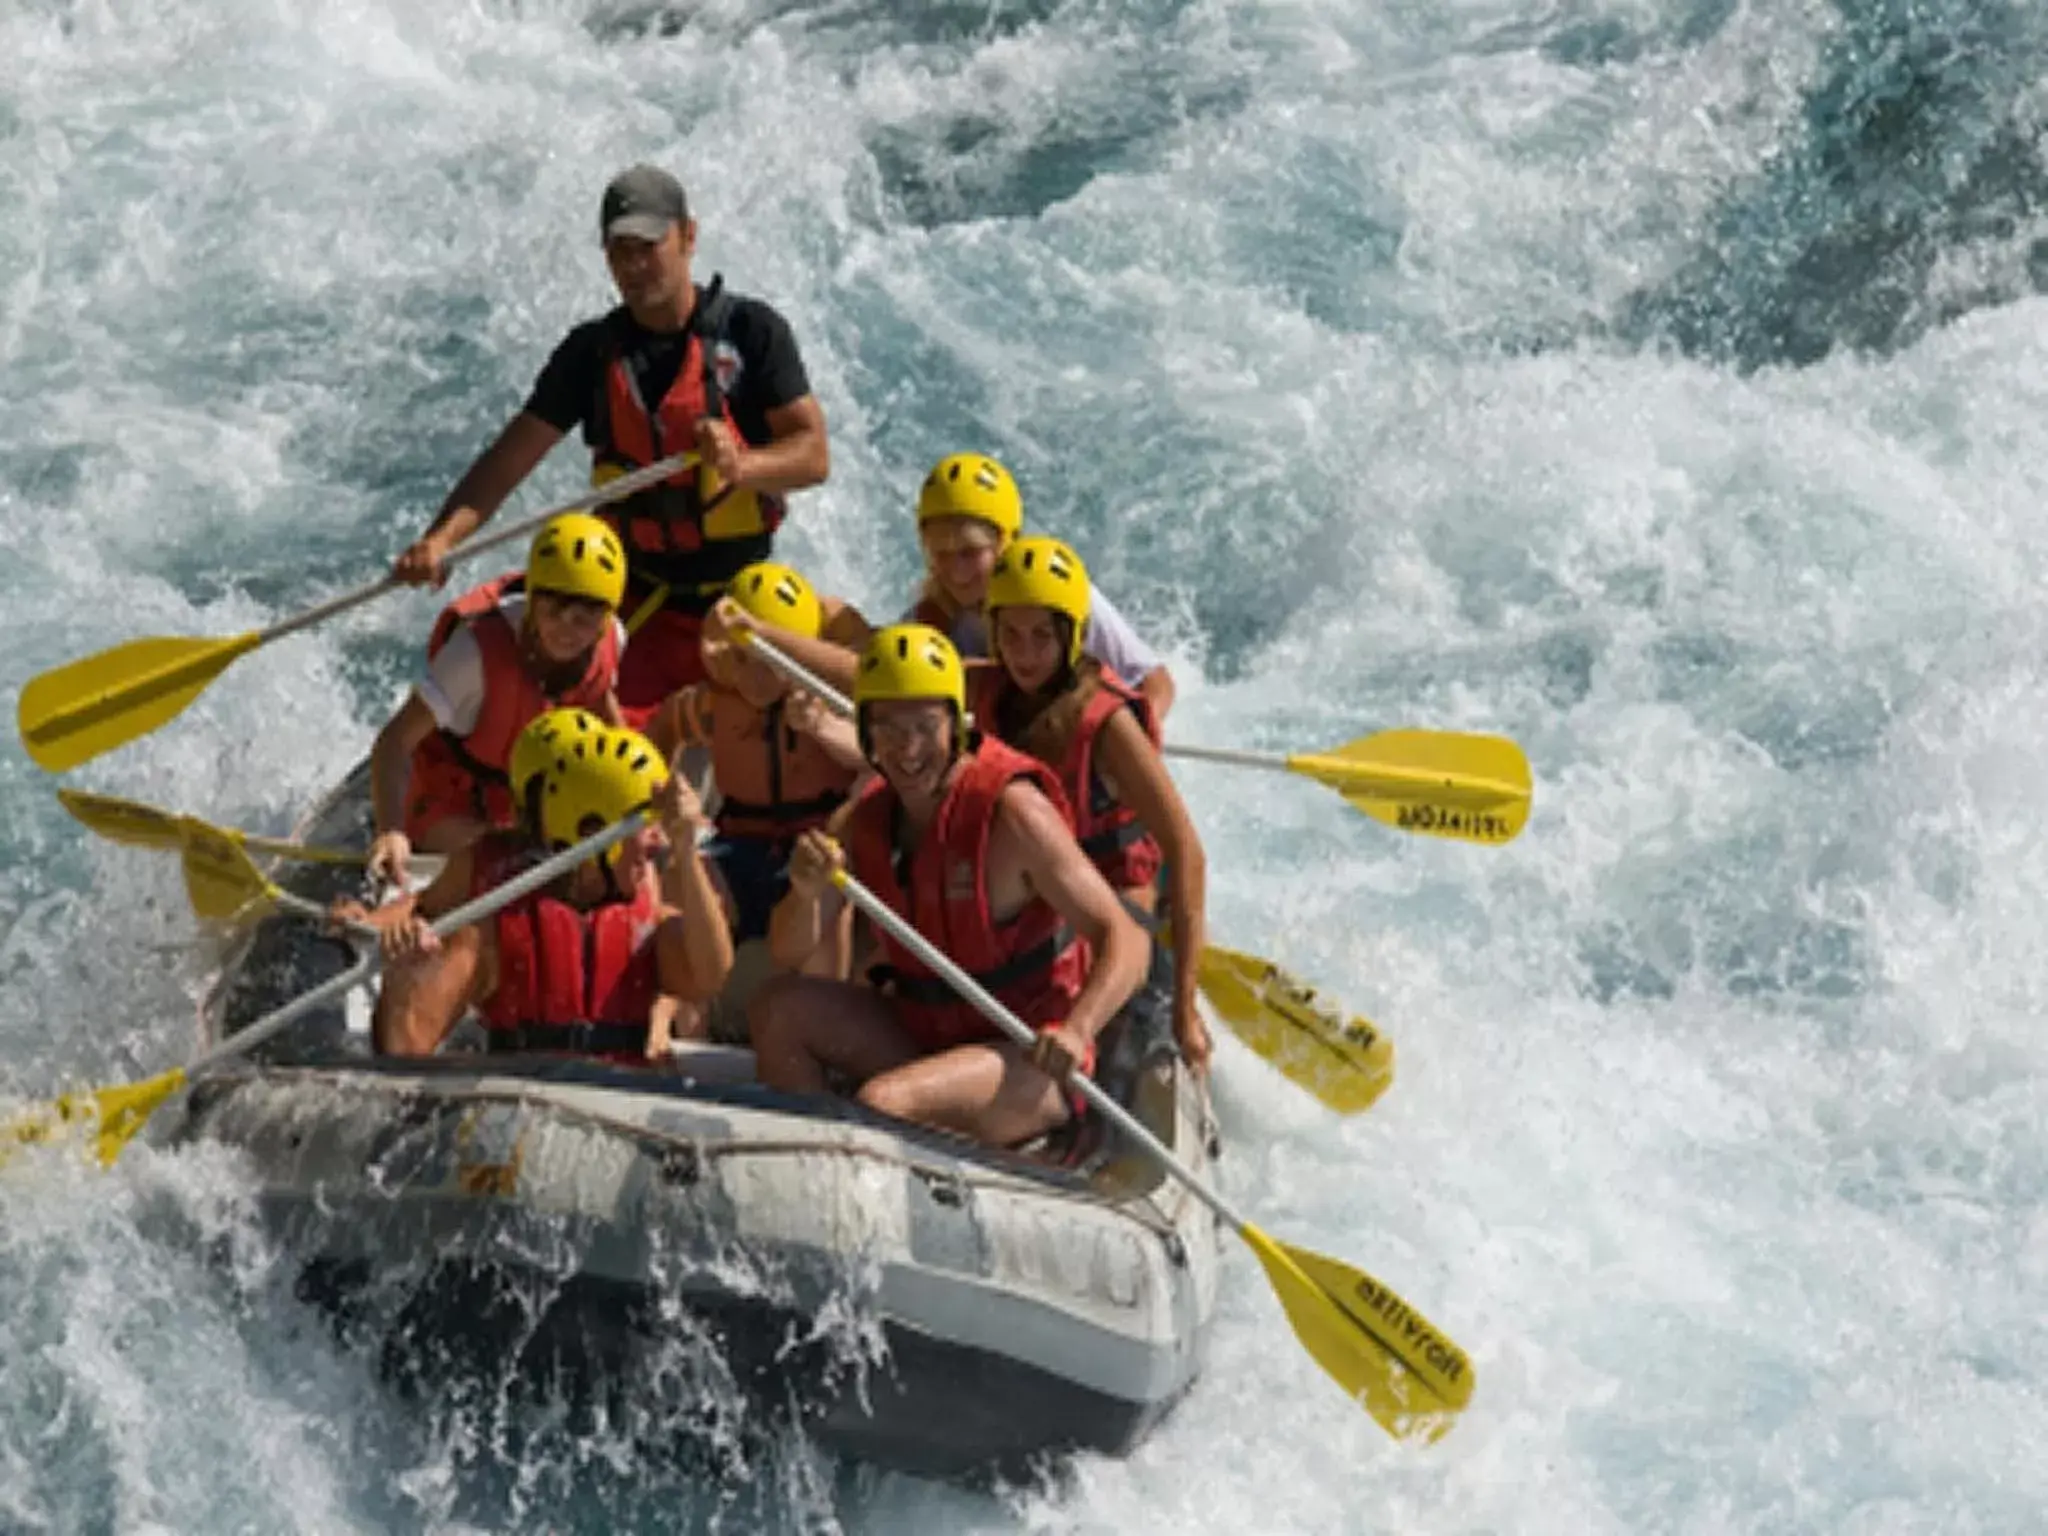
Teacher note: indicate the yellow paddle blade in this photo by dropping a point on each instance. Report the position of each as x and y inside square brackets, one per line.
[123, 821]
[220, 877]
[1345, 1063]
[145, 826]
[1389, 1358]
[75, 712]
[1443, 783]
[112, 1115]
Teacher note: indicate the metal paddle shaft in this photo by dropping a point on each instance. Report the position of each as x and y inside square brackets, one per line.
[73, 713]
[797, 672]
[1393, 781]
[615, 490]
[1236, 759]
[491, 901]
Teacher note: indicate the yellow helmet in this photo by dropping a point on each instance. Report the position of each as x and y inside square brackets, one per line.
[909, 661]
[597, 779]
[547, 737]
[972, 485]
[1041, 573]
[578, 555]
[776, 594]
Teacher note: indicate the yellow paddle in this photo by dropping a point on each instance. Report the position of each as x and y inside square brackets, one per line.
[73, 713]
[220, 877]
[1443, 783]
[223, 882]
[1346, 1065]
[111, 1116]
[144, 826]
[1385, 1355]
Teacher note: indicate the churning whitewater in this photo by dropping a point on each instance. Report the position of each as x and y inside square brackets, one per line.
[1660, 383]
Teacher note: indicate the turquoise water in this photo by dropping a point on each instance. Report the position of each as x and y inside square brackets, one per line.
[1658, 383]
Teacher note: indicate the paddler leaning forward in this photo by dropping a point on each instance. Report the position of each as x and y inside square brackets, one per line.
[972, 843]
[605, 962]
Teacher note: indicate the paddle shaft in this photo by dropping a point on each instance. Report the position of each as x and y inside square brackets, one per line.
[940, 965]
[616, 490]
[299, 906]
[285, 848]
[798, 673]
[483, 906]
[1424, 782]
[1226, 755]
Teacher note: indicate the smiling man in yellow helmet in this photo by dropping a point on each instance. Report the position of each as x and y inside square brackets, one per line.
[499, 655]
[600, 963]
[971, 843]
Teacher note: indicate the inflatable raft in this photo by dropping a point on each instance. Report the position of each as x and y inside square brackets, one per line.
[911, 1298]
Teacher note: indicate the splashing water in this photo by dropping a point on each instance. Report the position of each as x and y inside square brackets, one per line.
[1655, 381]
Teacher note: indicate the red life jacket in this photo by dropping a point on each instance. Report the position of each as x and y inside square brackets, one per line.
[1034, 964]
[682, 534]
[568, 980]
[773, 781]
[1108, 831]
[513, 698]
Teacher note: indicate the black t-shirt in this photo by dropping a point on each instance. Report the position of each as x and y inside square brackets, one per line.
[770, 374]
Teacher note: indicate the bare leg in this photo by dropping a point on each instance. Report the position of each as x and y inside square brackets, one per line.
[988, 1091]
[804, 1025]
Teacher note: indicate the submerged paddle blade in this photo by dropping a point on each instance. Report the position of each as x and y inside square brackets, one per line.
[1390, 1359]
[112, 1115]
[1345, 1063]
[75, 712]
[123, 821]
[1442, 783]
[220, 877]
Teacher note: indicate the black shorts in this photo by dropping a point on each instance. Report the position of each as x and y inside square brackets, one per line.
[756, 875]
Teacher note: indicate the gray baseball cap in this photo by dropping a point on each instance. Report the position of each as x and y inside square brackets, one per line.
[641, 203]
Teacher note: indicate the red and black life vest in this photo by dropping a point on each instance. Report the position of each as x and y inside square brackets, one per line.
[513, 695]
[569, 980]
[684, 534]
[1108, 831]
[1034, 964]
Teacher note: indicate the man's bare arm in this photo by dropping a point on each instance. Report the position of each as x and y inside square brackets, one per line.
[1059, 871]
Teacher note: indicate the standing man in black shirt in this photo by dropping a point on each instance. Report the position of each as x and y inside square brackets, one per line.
[674, 368]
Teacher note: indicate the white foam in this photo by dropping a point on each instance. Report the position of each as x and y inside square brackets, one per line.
[1716, 1132]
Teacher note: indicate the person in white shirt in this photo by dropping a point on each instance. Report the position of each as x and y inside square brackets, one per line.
[967, 513]
[500, 655]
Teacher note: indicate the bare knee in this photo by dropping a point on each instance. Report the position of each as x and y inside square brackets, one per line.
[888, 1093]
[770, 1016]
[779, 1022]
